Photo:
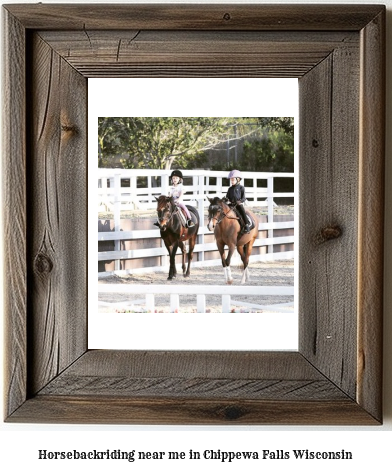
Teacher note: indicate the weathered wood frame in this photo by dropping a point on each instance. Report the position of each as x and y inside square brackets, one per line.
[337, 52]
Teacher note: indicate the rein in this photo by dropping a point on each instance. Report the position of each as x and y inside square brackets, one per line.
[173, 213]
[218, 221]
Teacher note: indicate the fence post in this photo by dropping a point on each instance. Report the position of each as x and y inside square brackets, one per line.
[149, 187]
[103, 192]
[226, 302]
[255, 191]
[116, 181]
[150, 303]
[219, 185]
[270, 193]
[165, 184]
[174, 303]
[133, 191]
[200, 203]
[201, 303]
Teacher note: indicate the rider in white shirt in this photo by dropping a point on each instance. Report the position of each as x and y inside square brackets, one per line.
[177, 192]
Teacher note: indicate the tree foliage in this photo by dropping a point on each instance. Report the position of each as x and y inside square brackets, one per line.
[181, 142]
[274, 151]
[161, 142]
[278, 124]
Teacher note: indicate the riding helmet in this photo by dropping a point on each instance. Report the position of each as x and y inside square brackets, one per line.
[176, 173]
[235, 174]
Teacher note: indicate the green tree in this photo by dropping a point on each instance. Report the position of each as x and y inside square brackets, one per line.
[273, 150]
[279, 124]
[163, 142]
[109, 139]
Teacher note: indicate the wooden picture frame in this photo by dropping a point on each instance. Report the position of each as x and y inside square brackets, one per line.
[338, 54]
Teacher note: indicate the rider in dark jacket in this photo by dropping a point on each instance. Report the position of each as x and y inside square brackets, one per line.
[236, 195]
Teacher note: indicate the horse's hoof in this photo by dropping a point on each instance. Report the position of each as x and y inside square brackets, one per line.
[229, 282]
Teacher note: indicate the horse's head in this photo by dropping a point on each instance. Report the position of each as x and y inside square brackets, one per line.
[165, 206]
[214, 212]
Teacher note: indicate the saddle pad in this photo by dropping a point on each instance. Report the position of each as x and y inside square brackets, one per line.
[250, 220]
[182, 216]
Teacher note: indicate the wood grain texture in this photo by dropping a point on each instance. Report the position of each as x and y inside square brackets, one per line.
[57, 210]
[14, 198]
[155, 411]
[335, 378]
[194, 53]
[194, 388]
[371, 216]
[194, 17]
[205, 374]
[329, 98]
[208, 364]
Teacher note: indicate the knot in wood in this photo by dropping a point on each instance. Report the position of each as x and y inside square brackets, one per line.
[43, 264]
[232, 413]
[328, 233]
[315, 143]
[69, 128]
[227, 16]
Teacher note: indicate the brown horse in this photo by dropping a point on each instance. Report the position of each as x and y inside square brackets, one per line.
[174, 232]
[227, 230]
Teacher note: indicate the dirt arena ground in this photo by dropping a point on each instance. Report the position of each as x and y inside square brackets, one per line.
[275, 273]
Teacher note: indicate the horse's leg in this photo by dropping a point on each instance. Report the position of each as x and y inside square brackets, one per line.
[173, 271]
[242, 251]
[183, 252]
[221, 248]
[169, 249]
[228, 260]
[192, 241]
[247, 252]
[230, 254]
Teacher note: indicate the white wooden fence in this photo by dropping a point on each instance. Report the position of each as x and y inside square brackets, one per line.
[226, 292]
[118, 191]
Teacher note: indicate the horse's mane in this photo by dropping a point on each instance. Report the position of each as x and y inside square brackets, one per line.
[162, 200]
[216, 201]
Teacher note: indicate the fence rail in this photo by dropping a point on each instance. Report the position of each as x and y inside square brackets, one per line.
[125, 190]
[226, 293]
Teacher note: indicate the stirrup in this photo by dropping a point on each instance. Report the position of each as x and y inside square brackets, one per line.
[190, 223]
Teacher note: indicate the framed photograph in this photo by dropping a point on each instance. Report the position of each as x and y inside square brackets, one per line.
[140, 305]
[337, 54]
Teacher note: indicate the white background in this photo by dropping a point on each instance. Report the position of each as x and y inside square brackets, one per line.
[19, 444]
[172, 98]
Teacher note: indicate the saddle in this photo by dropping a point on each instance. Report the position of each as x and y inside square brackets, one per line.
[182, 216]
[250, 222]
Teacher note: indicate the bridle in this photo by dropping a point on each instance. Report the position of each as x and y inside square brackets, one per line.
[222, 215]
[173, 212]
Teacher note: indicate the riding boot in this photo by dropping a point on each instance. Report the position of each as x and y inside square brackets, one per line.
[157, 224]
[241, 210]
